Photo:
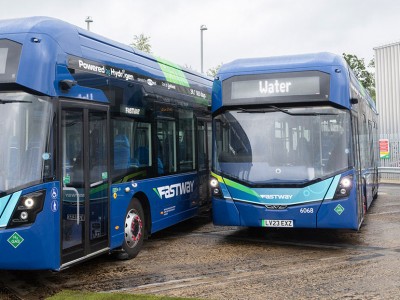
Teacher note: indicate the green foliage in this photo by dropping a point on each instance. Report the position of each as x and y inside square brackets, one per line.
[70, 295]
[141, 42]
[188, 67]
[365, 74]
[213, 71]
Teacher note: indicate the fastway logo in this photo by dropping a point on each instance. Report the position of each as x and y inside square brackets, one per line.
[173, 190]
[273, 197]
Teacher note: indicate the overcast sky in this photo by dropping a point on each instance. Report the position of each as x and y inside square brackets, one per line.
[236, 28]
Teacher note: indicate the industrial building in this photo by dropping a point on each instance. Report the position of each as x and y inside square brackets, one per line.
[387, 76]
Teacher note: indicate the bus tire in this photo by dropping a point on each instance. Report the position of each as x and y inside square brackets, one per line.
[134, 230]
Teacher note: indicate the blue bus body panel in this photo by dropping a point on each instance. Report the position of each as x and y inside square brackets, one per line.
[278, 196]
[172, 199]
[32, 247]
[309, 207]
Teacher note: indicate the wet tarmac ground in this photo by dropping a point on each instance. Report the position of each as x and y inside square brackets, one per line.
[198, 259]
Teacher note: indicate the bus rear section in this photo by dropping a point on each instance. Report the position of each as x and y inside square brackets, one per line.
[289, 146]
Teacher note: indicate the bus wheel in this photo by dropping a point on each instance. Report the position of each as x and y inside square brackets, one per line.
[134, 230]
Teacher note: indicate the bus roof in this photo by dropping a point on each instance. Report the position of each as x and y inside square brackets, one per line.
[64, 32]
[76, 41]
[323, 61]
[282, 62]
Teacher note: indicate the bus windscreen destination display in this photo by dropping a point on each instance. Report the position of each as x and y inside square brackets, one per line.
[278, 87]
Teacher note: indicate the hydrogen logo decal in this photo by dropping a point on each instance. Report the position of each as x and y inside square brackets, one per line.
[15, 240]
[175, 78]
[339, 209]
[177, 189]
[54, 205]
[54, 193]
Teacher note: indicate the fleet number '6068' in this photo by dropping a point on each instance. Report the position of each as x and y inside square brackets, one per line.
[306, 210]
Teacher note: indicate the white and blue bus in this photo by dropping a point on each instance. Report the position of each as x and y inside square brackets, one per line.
[294, 144]
[101, 145]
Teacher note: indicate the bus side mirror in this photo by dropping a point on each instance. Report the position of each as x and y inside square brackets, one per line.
[353, 100]
[67, 84]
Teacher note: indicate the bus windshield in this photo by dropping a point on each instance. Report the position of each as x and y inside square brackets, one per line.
[25, 121]
[275, 145]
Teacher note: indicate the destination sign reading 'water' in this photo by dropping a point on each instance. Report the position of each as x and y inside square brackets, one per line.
[276, 87]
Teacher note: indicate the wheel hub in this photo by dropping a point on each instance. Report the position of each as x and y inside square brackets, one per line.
[133, 228]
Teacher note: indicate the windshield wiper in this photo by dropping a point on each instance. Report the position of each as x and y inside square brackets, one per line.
[13, 101]
[302, 114]
[272, 108]
[255, 111]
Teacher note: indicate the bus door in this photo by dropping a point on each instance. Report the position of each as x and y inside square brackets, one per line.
[85, 181]
[204, 152]
[356, 147]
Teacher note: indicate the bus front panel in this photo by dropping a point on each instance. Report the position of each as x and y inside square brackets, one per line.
[325, 204]
[30, 228]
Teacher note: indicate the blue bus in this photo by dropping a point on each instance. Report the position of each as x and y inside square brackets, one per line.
[294, 144]
[102, 145]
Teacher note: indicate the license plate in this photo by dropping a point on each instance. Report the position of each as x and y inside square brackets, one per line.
[277, 223]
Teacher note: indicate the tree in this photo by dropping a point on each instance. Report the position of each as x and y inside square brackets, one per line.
[365, 76]
[213, 71]
[188, 67]
[141, 42]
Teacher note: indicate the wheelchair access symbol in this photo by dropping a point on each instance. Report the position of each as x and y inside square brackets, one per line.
[54, 193]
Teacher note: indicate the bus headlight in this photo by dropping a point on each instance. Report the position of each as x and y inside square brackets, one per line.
[29, 203]
[24, 215]
[214, 182]
[215, 189]
[344, 187]
[28, 206]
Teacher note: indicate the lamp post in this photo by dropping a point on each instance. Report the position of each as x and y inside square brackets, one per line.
[88, 20]
[202, 28]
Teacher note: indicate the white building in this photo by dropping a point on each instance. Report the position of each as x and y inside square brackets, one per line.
[387, 76]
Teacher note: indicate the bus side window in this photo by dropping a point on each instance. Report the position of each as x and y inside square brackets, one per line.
[143, 151]
[166, 148]
[121, 152]
[186, 135]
